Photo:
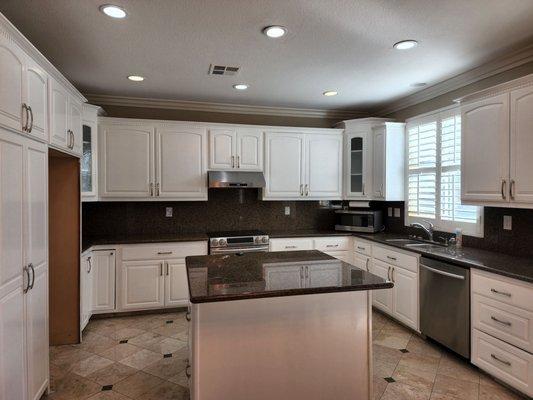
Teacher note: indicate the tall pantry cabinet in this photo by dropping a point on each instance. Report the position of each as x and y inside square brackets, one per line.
[23, 267]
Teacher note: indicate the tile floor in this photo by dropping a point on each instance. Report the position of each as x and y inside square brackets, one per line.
[144, 358]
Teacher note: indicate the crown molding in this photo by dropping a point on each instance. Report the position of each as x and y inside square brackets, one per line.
[504, 63]
[107, 100]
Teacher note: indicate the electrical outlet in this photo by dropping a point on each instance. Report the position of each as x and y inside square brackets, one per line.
[168, 212]
[507, 222]
[389, 211]
[397, 212]
[287, 210]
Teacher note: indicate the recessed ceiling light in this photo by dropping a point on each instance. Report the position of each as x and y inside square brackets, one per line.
[275, 31]
[330, 93]
[240, 86]
[405, 44]
[418, 84]
[136, 78]
[113, 11]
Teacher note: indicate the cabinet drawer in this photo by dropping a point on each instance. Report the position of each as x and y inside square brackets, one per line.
[505, 362]
[511, 324]
[163, 251]
[362, 247]
[291, 244]
[395, 257]
[334, 243]
[503, 289]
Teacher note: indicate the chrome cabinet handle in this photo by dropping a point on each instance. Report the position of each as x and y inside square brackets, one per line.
[161, 253]
[188, 316]
[306, 272]
[367, 262]
[27, 270]
[161, 269]
[167, 269]
[507, 323]
[151, 186]
[500, 360]
[31, 119]
[89, 261]
[232, 161]
[290, 247]
[306, 189]
[361, 248]
[512, 189]
[301, 273]
[187, 372]
[301, 189]
[388, 274]
[391, 258]
[24, 112]
[73, 138]
[501, 293]
[332, 245]
[363, 188]
[30, 266]
[238, 161]
[504, 186]
[157, 189]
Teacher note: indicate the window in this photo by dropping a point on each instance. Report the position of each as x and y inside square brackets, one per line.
[434, 174]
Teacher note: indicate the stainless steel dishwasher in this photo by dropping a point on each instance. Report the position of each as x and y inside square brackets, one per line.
[445, 304]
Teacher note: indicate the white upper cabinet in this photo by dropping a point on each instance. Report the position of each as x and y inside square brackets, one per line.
[521, 182]
[378, 165]
[75, 124]
[358, 165]
[239, 148]
[12, 110]
[181, 164]
[58, 114]
[485, 173]
[36, 95]
[304, 166]
[126, 161]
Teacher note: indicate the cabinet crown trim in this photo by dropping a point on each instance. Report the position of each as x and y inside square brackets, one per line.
[502, 88]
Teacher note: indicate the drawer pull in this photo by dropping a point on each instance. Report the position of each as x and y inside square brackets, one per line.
[361, 248]
[507, 323]
[332, 245]
[290, 247]
[188, 371]
[161, 253]
[502, 293]
[391, 258]
[188, 316]
[500, 360]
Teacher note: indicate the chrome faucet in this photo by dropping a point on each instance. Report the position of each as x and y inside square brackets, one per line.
[428, 229]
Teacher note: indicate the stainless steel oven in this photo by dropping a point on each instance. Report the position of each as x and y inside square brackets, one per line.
[359, 220]
[237, 242]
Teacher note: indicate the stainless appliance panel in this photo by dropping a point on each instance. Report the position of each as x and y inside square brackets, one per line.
[369, 221]
[445, 304]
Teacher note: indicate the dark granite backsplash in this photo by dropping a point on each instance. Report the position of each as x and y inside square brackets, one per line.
[227, 209]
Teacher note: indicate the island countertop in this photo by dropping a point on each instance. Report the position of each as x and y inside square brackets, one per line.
[224, 277]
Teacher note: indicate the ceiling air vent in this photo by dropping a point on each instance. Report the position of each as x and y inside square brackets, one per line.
[215, 69]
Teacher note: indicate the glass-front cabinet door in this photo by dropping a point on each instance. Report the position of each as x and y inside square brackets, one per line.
[357, 179]
[88, 162]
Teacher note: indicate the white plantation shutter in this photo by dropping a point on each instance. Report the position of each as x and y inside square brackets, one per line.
[434, 173]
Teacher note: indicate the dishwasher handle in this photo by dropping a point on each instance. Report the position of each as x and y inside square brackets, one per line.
[438, 271]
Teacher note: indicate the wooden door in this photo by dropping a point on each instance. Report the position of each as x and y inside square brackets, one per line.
[143, 284]
[103, 293]
[284, 165]
[176, 283]
[126, 165]
[382, 299]
[222, 149]
[11, 85]
[36, 95]
[485, 174]
[324, 166]
[59, 111]
[250, 150]
[405, 293]
[180, 163]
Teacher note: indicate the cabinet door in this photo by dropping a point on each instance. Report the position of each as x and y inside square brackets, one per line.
[126, 161]
[327, 274]
[36, 92]
[12, 278]
[86, 284]
[361, 261]
[358, 166]
[522, 145]
[284, 165]
[176, 284]
[75, 116]
[222, 149]
[103, 296]
[405, 293]
[381, 299]
[88, 161]
[485, 174]
[11, 85]
[284, 278]
[143, 284]
[59, 111]
[324, 166]
[180, 161]
[250, 150]
[378, 163]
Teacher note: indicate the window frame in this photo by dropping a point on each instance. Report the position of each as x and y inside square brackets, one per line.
[470, 229]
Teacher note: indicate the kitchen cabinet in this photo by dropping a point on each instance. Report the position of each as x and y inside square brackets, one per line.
[86, 289]
[238, 148]
[143, 284]
[176, 286]
[324, 274]
[103, 279]
[303, 166]
[358, 166]
[405, 292]
[335, 246]
[36, 98]
[382, 299]
[284, 277]
[361, 261]
[24, 267]
[89, 159]
[388, 159]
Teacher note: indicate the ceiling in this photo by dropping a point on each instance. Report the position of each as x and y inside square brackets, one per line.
[342, 45]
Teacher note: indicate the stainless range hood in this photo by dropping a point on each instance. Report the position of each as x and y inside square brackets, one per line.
[236, 179]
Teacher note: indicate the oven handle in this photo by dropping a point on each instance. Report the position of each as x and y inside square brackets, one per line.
[448, 274]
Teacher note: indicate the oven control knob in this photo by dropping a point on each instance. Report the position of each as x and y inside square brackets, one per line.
[214, 242]
[264, 239]
[223, 242]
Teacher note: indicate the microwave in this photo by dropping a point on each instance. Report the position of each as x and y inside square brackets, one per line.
[359, 221]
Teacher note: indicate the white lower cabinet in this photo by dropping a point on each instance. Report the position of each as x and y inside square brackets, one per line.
[335, 246]
[103, 279]
[405, 296]
[86, 289]
[143, 284]
[176, 286]
[382, 299]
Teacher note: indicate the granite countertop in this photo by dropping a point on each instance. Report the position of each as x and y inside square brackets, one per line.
[502, 264]
[132, 239]
[253, 275]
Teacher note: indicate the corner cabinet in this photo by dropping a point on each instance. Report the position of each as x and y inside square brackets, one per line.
[146, 161]
[303, 165]
[239, 149]
[501, 119]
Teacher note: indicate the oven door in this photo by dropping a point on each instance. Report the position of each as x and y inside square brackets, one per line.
[234, 250]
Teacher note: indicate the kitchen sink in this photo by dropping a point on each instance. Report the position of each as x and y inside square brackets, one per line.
[404, 241]
[427, 246]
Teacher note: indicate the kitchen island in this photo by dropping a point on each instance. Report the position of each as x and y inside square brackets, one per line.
[280, 325]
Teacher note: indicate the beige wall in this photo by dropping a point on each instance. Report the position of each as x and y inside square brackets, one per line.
[448, 98]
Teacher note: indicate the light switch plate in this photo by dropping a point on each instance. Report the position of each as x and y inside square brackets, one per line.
[287, 210]
[397, 212]
[168, 212]
[507, 222]
[389, 211]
